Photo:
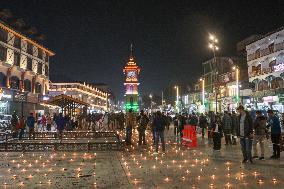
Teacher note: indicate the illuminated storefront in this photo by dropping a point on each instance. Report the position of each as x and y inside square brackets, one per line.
[265, 59]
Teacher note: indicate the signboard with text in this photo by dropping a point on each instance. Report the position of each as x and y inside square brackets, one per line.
[20, 96]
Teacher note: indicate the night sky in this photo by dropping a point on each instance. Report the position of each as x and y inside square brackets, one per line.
[92, 38]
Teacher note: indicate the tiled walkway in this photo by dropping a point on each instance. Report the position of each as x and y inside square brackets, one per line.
[138, 168]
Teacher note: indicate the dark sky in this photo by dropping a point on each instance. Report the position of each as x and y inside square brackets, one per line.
[92, 38]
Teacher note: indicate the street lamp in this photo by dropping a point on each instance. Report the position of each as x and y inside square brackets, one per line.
[203, 90]
[213, 45]
[150, 96]
[237, 81]
[177, 96]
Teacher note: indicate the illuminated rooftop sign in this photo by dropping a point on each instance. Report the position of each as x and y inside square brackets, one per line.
[279, 67]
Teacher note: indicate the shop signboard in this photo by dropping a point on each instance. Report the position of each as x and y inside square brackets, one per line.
[270, 99]
[5, 95]
[257, 94]
[279, 67]
[20, 96]
[269, 93]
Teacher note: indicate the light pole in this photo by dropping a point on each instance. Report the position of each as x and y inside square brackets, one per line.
[177, 100]
[237, 82]
[162, 98]
[150, 96]
[213, 45]
[203, 90]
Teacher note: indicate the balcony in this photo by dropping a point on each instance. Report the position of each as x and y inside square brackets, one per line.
[263, 71]
[265, 52]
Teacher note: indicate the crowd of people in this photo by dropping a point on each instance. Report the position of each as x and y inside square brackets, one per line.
[231, 126]
[58, 123]
[157, 122]
[250, 131]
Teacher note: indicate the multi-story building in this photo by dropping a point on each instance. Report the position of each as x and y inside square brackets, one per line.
[24, 71]
[96, 99]
[195, 98]
[265, 60]
[221, 84]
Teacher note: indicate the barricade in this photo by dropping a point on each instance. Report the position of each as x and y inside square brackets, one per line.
[189, 138]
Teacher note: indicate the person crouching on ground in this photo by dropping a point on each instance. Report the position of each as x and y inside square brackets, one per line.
[245, 132]
[216, 132]
[159, 124]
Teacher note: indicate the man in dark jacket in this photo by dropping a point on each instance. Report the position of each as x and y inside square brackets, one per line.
[259, 126]
[245, 132]
[175, 120]
[274, 123]
[143, 121]
[203, 123]
[227, 127]
[60, 122]
[159, 125]
[235, 123]
[31, 124]
[193, 120]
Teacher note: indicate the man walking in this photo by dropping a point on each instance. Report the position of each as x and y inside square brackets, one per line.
[227, 127]
[274, 123]
[245, 132]
[259, 134]
[31, 125]
[202, 124]
[60, 122]
[175, 120]
[130, 122]
[48, 122]
[234, 127]
[21, 127]
[159, 124]
[143, 121]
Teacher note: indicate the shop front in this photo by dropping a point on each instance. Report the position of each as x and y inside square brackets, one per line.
[5, 100]
[21, 102]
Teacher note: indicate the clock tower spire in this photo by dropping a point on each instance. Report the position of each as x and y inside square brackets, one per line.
[131, 72]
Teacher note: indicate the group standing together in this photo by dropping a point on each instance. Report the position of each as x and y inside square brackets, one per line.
[157, 123]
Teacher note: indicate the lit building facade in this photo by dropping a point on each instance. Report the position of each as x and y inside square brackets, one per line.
[220, 82]
[96, 98]
[265, 61]
[131, 72]
[24, 72]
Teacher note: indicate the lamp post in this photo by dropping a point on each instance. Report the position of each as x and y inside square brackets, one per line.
[237, 82]
[203, 90]
[150, 96]
[162, 98]
[177, 98]
[213, 41]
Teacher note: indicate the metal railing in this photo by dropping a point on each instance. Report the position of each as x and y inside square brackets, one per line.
[52, 141]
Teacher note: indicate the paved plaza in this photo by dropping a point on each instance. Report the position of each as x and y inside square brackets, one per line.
[136, 167]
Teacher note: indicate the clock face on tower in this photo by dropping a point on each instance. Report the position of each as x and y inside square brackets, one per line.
[131, 74]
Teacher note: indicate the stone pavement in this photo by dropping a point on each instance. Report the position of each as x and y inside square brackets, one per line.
[138, 168]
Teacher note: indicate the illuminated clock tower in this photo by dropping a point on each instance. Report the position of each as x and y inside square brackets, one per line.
[131, 72]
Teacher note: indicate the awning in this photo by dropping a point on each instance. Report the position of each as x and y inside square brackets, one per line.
[64, 101]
